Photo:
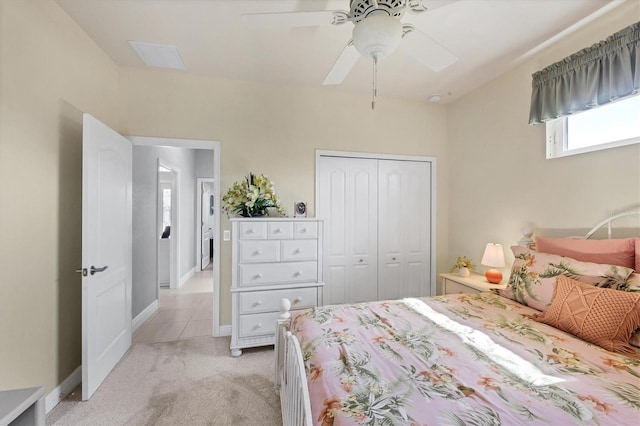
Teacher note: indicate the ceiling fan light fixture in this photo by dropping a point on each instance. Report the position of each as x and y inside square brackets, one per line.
[378, 35]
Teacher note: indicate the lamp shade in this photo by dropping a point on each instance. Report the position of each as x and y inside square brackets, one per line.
[493, 256]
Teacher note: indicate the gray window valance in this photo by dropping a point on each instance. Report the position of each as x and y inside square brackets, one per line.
[594, 76]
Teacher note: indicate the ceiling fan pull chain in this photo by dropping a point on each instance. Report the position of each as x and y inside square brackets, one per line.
[375, 82]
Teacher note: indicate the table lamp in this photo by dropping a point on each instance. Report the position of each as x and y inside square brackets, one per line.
[494, 258]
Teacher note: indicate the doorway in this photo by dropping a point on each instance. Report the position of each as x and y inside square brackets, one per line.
[168, 206]
[182, 223]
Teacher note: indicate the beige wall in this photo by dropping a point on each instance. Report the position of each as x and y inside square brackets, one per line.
[500, 178]
[276, 129]
[50, 72]
[492, 175]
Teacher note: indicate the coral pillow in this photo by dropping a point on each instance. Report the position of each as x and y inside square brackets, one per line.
[601, 316]
[621, 252]
[533, 276]
[637, 267]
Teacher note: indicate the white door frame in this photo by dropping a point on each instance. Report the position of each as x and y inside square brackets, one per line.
[199, 182]
[378, 156]
[216, 147]
[174, 270]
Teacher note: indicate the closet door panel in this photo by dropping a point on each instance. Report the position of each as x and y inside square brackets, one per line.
[404, 232]
[363, 223]
[348, 194]
[391, 230]
[333, 190]
[418, 237]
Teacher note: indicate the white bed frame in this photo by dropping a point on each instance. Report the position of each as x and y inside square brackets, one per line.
[290, 376]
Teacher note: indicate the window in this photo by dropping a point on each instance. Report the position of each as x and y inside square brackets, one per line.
[608, 126]
[166, 208]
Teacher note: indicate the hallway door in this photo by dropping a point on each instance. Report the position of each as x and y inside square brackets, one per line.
[106, 251]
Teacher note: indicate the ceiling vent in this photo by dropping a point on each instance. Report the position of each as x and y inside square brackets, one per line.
[159, 55]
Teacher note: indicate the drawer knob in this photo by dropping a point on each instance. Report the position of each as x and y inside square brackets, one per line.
[297, 274]
[361, 260]
[276, 231]
[257, 252]
[297, 300]
[393, 258]
[296, 251]
[258, 325]
[303, 231]
[250, 231]
[257, 276]
[258, 303]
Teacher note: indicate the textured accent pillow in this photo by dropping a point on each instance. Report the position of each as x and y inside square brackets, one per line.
[637, 267]
[601, 316]
[621, 252]
[533, 276]
[634, 285]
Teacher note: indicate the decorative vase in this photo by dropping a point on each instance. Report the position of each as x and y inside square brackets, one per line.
[464, 272]
[254, 213]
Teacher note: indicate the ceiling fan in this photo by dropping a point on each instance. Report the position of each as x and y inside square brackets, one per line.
[377, 33]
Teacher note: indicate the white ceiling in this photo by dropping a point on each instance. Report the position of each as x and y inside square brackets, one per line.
[488, 36]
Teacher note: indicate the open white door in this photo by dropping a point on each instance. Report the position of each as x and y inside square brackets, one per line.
[106, 251]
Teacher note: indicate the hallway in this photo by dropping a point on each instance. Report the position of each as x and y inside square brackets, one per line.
[182, 313]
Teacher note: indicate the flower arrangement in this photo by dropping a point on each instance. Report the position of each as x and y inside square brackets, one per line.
[462, 262]
[251, 197]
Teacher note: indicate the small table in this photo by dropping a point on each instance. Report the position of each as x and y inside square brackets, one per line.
[474, 283]
[22, 407]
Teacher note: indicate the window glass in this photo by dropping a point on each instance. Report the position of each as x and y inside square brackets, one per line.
[608, 126]
[166, 208]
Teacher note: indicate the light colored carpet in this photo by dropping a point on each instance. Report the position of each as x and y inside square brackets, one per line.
[182, 382]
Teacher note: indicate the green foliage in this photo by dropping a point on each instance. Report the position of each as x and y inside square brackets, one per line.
[462, 262]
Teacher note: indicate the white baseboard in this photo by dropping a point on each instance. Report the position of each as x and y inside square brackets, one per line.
[65, 388]
[225, 330]
[186, 276]
[144, 315]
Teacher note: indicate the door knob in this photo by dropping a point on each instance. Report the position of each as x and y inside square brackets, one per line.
[93, 269]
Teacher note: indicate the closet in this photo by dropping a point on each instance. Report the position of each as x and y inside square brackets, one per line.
[379, 229]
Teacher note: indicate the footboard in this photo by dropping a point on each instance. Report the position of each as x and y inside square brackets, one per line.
[290, 377]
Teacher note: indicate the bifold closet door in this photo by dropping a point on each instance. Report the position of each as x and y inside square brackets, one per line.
[347, 190]
[404, 231]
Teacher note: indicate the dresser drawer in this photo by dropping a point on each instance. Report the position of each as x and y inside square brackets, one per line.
[452, 287]
[280, 230]
[259, 251]
[269, 301]
[299, 250]
[276, 273]
[305, 230]
[253, 230]
[257, 324]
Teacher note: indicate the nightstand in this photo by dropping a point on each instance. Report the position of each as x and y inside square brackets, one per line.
[474, 283]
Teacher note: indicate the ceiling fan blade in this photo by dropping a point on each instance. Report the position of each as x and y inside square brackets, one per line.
[426, 50]
[295, 19]
[435, 4]
[343, 65]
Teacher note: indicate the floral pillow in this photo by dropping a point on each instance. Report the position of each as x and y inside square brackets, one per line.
[534, 274]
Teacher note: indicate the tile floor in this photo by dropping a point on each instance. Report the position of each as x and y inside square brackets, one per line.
[182, 313]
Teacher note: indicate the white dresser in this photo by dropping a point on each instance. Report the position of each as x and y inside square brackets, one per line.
[272, 258]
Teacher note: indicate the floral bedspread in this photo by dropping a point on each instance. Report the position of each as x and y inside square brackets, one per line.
[470, 359]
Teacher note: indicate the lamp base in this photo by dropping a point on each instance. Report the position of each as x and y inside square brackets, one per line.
[494, 276]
